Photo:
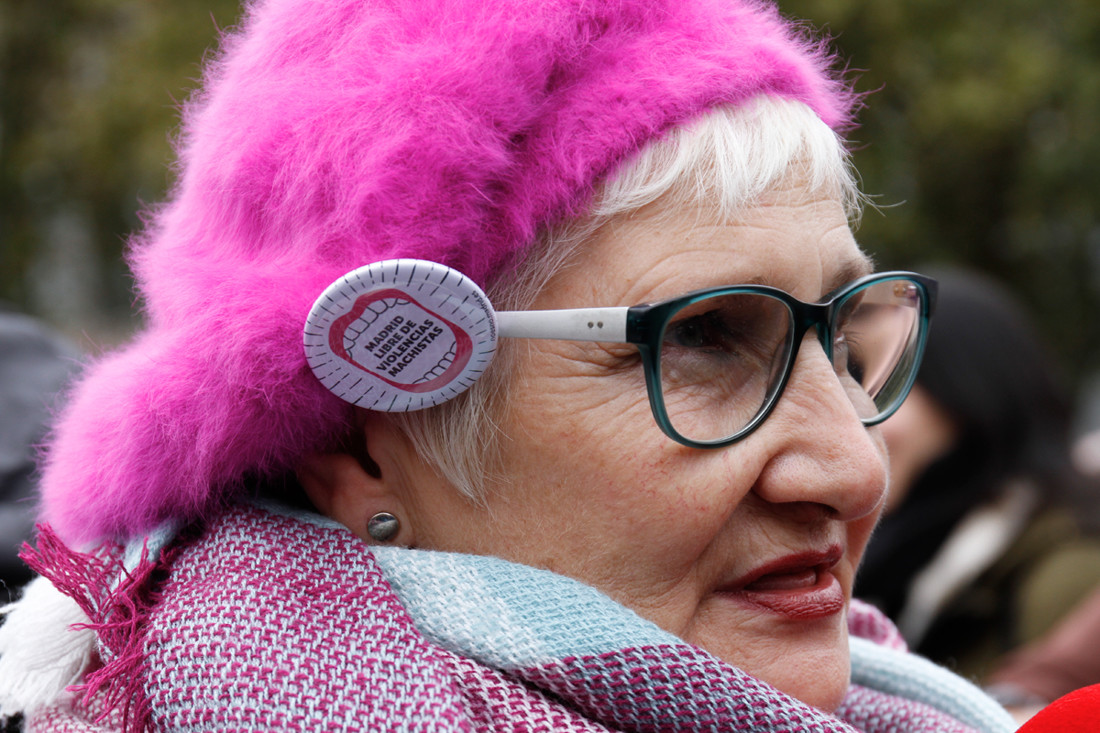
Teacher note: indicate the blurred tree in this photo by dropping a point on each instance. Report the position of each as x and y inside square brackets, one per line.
[979, 138]
[89, 94]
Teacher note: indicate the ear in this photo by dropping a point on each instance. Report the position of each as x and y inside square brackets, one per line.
[351, 490]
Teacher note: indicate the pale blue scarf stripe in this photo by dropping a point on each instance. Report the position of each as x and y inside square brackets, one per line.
[496, 611]
[915, 678]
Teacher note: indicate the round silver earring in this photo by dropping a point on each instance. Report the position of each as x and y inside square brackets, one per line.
[383, 527]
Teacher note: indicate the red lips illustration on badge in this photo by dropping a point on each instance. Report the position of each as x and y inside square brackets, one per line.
[400, 335]
[410, 341]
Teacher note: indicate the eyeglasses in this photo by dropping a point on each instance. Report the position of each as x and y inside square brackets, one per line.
[717, 360]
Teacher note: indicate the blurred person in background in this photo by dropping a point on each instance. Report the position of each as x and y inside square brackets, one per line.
[1064, 660]
[991, 533]
[1067, 658]
[35, 363]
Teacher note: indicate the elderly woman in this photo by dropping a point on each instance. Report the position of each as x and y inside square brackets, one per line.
[645, 514]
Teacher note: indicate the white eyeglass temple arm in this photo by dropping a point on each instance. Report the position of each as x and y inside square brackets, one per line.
[575, 324]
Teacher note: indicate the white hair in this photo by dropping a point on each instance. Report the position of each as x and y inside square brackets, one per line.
[728, 159]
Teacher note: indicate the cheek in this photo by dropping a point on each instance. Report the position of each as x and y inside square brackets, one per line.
[596, 491]
[674, 503]
[573, 419]
[581, 446]
[660, 523]
[636, 502]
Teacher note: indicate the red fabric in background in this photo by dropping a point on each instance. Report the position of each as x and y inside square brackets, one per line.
[1077, 712]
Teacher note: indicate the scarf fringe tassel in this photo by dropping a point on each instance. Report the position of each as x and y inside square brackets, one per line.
[117, 602]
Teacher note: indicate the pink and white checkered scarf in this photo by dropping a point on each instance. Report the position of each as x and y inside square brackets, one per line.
[272, 621]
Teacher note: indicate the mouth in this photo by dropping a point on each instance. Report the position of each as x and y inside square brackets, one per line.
[801, 586]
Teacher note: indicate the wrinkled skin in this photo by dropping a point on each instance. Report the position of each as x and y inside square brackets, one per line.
[594, 490]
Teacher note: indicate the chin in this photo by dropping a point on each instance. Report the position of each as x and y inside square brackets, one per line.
[807, 658]
[820, 680]
[813, 666]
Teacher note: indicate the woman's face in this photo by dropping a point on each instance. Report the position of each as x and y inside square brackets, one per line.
[748, 551]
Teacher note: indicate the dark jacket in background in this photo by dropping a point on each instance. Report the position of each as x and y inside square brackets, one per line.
[35, 364]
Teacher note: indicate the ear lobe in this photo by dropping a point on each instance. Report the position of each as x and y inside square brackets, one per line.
[342, 488]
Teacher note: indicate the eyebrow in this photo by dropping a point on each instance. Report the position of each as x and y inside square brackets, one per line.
[850, 270]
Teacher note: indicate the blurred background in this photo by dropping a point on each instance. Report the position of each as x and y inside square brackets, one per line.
[979, 143]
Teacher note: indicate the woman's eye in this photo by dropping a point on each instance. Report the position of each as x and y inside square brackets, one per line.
[705, 331]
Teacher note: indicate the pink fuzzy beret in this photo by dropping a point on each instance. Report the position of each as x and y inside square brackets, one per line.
[334, 133]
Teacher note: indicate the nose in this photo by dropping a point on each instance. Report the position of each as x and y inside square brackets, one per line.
[822, 453]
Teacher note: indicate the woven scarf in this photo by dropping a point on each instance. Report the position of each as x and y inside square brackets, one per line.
[267, 620]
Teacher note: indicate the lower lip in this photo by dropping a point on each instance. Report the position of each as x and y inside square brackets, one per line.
[824, 598]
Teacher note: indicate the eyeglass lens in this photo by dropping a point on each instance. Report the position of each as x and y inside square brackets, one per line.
[725, 357]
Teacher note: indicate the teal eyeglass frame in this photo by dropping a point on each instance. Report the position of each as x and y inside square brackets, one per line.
[644, 326]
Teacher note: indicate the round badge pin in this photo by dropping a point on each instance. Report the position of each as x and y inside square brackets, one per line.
[400, 335]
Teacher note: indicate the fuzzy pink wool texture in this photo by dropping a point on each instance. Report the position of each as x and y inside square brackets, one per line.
[329, 134]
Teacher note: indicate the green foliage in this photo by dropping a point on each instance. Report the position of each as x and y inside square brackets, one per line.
[89, 95]
[979, 142]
